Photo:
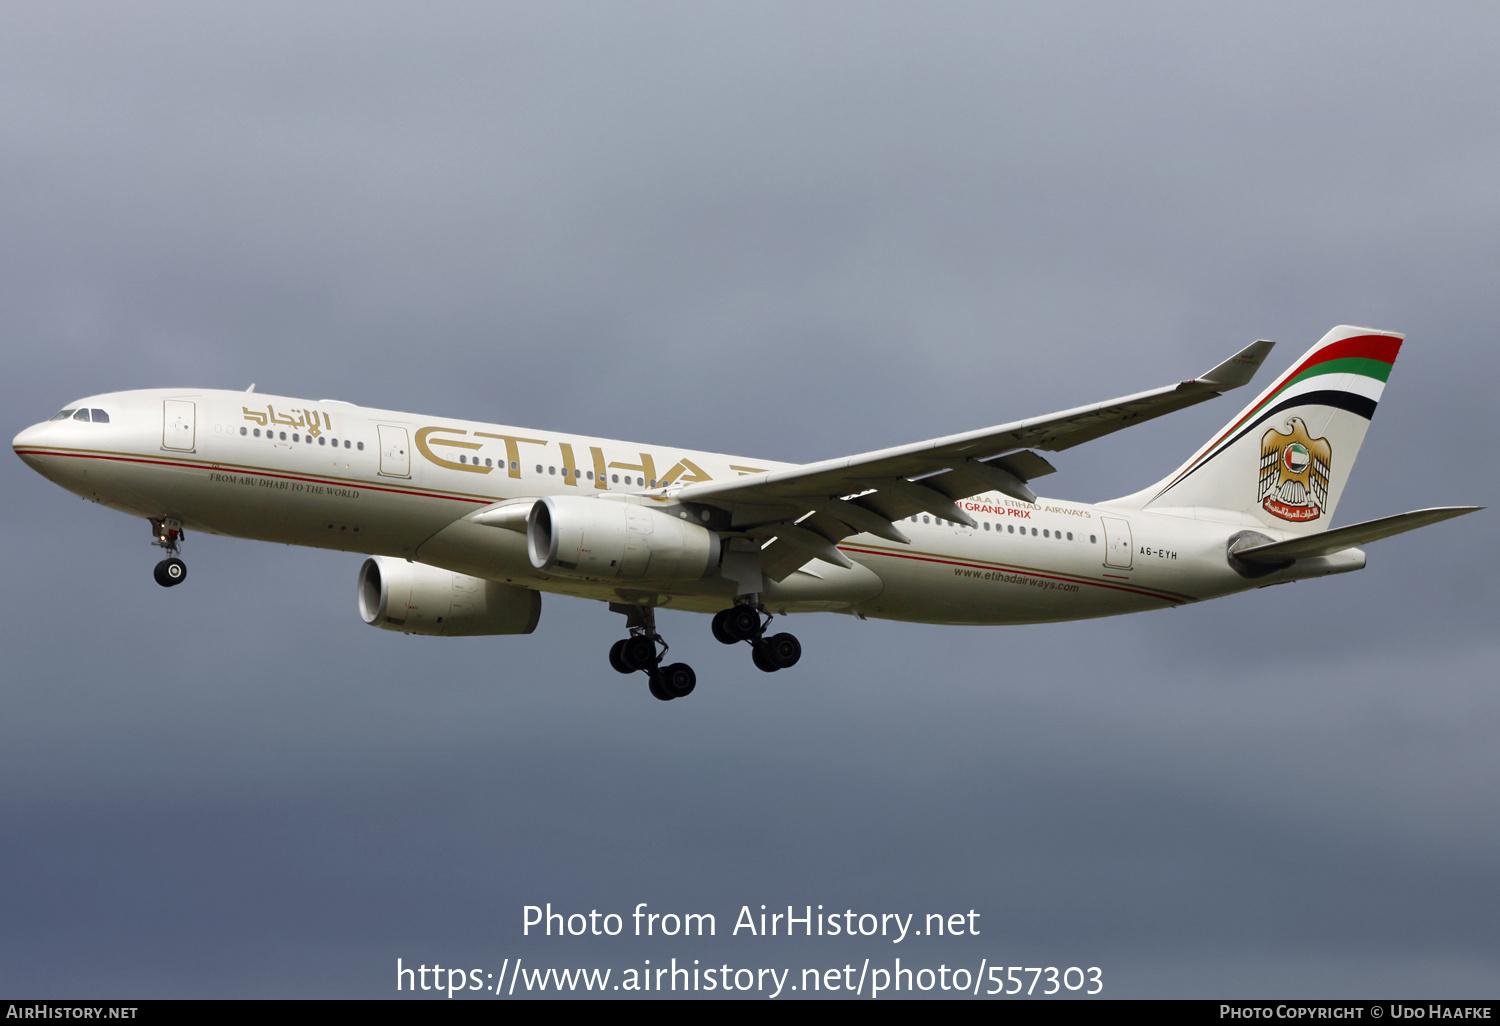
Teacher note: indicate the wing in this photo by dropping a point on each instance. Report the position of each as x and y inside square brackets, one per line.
[798, 514]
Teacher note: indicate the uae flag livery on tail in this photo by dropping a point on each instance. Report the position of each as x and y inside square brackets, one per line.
[1283, 460]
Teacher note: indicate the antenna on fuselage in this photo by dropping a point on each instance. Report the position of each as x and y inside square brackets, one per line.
[251, 388]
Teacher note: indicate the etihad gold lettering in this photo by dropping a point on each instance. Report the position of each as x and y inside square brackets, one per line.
[601, 472]
[647, 466]
[424, 441]
[512, 448]
[746, 471]
[685, 466]
[570, 474]
[307, 420]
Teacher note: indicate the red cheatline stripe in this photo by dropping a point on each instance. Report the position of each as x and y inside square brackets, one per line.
[229, 469]
[1371, 347]
[1010, 570]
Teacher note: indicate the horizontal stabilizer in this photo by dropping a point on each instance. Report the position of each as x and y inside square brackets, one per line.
[1325, 543]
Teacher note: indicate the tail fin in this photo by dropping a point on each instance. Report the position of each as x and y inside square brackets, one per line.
[1284, 460]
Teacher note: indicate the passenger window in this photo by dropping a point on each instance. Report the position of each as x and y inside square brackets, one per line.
[62, 415]
[295, 437]
[590, 475]
[1033, 532]
[100, 417]
[926, 521]
[322, 441]
[515, 465]
[283, 436]
[81, 415]
[358, 445]
[538, 468]
[1070, 536]
[1046, 533]
[1093, 540]
[1011, 528]
[486, 461]
[986, 525]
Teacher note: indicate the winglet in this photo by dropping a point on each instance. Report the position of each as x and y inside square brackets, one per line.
[1239, 368]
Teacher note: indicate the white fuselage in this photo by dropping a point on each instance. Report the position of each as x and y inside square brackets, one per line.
[332, 475]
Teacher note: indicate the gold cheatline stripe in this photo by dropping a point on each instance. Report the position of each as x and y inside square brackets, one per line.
[162, 458]
[1017, 568]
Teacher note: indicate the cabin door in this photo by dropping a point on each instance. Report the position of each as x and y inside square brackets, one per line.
[395, 451]
[179, 424]
[1118, 547]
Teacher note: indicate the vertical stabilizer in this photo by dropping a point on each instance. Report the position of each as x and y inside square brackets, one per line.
[1284, 460]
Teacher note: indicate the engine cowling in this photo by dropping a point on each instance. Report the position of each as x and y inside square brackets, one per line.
[600, 538]
[415, 598]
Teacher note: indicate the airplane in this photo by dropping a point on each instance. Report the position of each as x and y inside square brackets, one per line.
[468, 523]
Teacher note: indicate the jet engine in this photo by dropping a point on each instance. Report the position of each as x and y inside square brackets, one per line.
[414, 598]
[600, 538]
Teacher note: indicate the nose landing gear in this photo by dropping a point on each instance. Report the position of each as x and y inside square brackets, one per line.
[743, 622]
[168, 534]
[640, 653]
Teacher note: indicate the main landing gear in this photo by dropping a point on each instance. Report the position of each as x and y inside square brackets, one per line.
[743, 622]
[168, 534]
[640, 653]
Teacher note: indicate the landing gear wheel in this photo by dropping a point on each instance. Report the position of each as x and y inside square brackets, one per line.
[659, 687]
[721, 630]
[741, 623]
[638, 652]
[170, 572]
[782, 649]
[616, 659]
[678, 680]
[762, 659]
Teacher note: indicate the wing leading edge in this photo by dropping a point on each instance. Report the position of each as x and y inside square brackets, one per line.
[793, 516]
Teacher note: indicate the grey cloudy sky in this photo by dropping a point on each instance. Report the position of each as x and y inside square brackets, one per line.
[793, 230]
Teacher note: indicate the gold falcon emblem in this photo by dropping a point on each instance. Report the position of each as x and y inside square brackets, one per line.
[1294, 470]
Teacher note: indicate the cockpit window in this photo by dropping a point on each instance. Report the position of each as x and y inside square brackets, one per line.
[100, 417]
[62, 414]
[81, 415]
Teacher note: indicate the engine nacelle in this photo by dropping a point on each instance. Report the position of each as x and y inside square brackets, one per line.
[586, 537]
[415, 598]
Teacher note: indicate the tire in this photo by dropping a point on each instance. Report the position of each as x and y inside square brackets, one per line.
[616, 659]
[678, 680]
[741, 623]
[170, 572]
[659, 688]
[721, 632]
[762, 659]
[638, 652]
[783, 649]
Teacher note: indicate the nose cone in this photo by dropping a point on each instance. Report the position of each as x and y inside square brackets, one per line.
[25, 444]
